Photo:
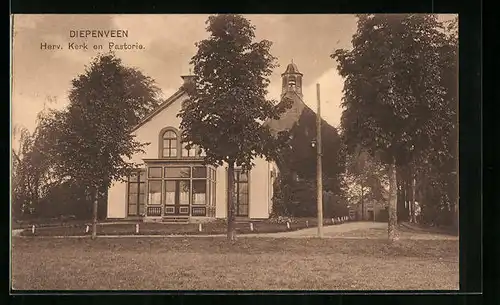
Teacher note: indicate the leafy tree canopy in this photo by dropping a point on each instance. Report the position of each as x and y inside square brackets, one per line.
[92, 136]
[227, 101]
[394, 98]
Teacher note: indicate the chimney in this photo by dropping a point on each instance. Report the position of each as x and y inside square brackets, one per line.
[188, 79]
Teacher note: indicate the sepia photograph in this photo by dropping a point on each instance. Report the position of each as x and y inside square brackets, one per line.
[226, 152]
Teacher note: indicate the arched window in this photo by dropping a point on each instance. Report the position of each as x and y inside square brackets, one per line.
[169, 147]
[291, 83]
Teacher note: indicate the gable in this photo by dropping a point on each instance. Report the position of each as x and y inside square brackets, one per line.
[148, 130]
[171, 100]
[164, 116]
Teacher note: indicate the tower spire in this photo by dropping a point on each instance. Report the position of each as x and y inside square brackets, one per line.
[292, 80]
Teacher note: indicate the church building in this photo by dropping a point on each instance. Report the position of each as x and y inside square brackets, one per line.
[172, 183]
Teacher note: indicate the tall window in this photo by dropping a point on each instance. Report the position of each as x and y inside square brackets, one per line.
[136, 193]
[188, 152]
[183, 192]
[169, 144]
[154, 192]
[154, 185]
[211, 192]
[194, 151]
[199, 192]
[241, 192]
[170, 187]
[199, 196]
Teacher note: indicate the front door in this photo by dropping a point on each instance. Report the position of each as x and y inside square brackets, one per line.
[241, 193]
[177, 197]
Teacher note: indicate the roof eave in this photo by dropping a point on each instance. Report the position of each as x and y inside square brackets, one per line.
[292, 73]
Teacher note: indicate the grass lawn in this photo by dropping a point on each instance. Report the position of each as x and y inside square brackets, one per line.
[249, 264]
[53, 222]
[216, 227]
[405, 231]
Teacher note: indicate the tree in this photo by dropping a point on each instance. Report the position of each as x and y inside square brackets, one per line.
[282, 195]
[21, 173]
[300, 157]
[435, 169]
[296, 193]
[66, 200]
[94, 144]
[32, 167]
[394, 99]
[364, 178]
[441, 159]
[227, 100]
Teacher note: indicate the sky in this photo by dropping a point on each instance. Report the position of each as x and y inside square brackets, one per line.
[42, 78]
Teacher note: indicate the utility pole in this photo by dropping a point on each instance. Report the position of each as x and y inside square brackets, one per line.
[319, 168]
[362, 203]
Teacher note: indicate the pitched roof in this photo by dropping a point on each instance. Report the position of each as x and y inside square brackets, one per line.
[160, 108]
[291, 115]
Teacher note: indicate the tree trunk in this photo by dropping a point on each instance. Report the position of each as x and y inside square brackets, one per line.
[399, 193]
[393, 198]
[406, 186]
[421, 196]
[410, 201]
[408, 195]
[456, 217]
[413, 206]
[94, 213]
[231, 234]
[404, 203]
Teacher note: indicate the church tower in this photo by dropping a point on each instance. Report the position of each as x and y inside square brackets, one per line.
[292, 80]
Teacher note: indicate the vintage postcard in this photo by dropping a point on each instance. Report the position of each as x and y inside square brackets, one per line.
[234, 152]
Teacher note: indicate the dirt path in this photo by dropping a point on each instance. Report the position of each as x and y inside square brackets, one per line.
[352, 230]
[17, 232]
[330, 231]
[358, 230]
